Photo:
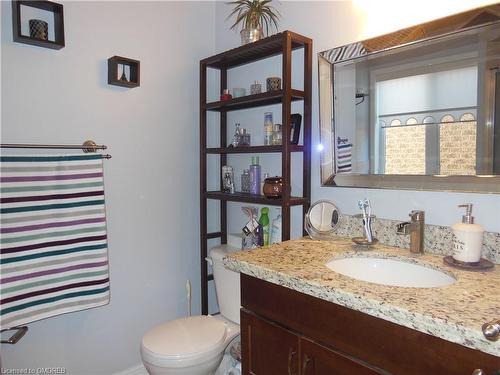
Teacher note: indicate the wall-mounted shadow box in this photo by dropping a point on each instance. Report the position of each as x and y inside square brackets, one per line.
[46, 29]
[123, 71]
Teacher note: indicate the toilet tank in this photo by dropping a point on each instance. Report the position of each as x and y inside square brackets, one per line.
[227, 283]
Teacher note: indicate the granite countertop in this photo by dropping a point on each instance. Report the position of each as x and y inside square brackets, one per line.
[454, 313]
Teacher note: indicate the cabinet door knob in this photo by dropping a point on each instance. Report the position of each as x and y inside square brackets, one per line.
[305, 362]
[291, 354]
[478, 371]
[491, 330]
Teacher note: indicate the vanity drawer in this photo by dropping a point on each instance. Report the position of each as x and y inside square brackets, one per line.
[319, 360]
[394, 348]
[268, 348]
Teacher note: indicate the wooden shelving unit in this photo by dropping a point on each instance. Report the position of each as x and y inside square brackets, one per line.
[279, 44]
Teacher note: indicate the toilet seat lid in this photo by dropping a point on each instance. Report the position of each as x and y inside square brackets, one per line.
[185, 337]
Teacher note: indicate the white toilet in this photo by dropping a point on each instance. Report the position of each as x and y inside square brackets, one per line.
[195, 345]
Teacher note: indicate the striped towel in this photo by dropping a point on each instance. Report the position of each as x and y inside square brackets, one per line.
[54, 257]
[344, 155]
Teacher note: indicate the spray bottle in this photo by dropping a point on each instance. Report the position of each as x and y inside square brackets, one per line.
[264, 221]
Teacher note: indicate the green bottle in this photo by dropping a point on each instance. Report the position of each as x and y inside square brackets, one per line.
[264, 221]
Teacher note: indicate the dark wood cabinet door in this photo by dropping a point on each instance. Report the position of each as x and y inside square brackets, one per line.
[266, 348]
[316, 359]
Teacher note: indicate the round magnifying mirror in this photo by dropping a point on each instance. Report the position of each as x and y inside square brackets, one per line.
[321, 219]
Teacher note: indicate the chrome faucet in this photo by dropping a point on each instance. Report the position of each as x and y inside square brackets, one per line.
[415, 228]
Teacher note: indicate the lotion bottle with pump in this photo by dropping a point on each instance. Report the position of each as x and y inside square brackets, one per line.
[468, 238]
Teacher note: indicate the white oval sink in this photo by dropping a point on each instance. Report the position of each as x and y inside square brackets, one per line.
[390, 272]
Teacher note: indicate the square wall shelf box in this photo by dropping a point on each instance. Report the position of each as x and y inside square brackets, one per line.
[58, 23]
[123, 72]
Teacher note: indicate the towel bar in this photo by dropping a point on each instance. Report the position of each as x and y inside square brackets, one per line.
[87, 146]
[20, 332]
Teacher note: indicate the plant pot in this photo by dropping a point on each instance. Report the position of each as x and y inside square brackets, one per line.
[250, 35]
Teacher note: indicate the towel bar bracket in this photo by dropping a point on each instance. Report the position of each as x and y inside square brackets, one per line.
[91, 146]
[20, 332]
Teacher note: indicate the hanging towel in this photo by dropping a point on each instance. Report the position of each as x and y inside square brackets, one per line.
[54, 257]
[344, 155]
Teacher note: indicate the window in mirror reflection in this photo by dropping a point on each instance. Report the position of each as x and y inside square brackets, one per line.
[457, 145]
[414, 143]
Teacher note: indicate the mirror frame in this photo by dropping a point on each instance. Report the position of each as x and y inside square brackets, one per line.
[399, 41]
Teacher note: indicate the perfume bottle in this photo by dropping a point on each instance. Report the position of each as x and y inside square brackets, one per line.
[277, 135]
[237, 136]
[227, 179]
[268, 128]
[245, 181]
[255, 176]
[244, 138]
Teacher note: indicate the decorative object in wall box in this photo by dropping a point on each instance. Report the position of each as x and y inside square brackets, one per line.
[39, 29]
[117, 72]
[273, 83]
[36, 39]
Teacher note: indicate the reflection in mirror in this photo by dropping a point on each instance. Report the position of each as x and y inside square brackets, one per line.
[414, 103]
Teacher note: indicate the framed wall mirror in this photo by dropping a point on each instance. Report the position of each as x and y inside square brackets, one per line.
[415, 109]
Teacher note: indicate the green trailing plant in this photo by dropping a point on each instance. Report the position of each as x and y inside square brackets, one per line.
[254, 14]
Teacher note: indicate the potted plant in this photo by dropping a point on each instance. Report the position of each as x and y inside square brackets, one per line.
[253, 16]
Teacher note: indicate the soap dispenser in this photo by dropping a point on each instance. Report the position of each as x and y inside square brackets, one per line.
[468, 238]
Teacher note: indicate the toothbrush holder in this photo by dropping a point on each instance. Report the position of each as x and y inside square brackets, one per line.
[363, 241]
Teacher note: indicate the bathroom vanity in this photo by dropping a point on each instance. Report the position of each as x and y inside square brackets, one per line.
[300, 317]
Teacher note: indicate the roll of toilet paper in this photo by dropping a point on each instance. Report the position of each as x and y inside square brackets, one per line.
[235, 370]
[227, 364]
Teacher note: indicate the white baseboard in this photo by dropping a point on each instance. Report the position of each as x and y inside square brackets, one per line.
[136, 370]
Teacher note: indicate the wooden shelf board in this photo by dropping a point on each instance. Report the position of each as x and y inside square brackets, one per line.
[251, 198]
[214, 235]
[128, 84]
[267, 47]
[38, 42]
[253, 149]
[252, 101]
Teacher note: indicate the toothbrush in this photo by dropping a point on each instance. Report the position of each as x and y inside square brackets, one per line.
[363, 205]
[369, 236]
